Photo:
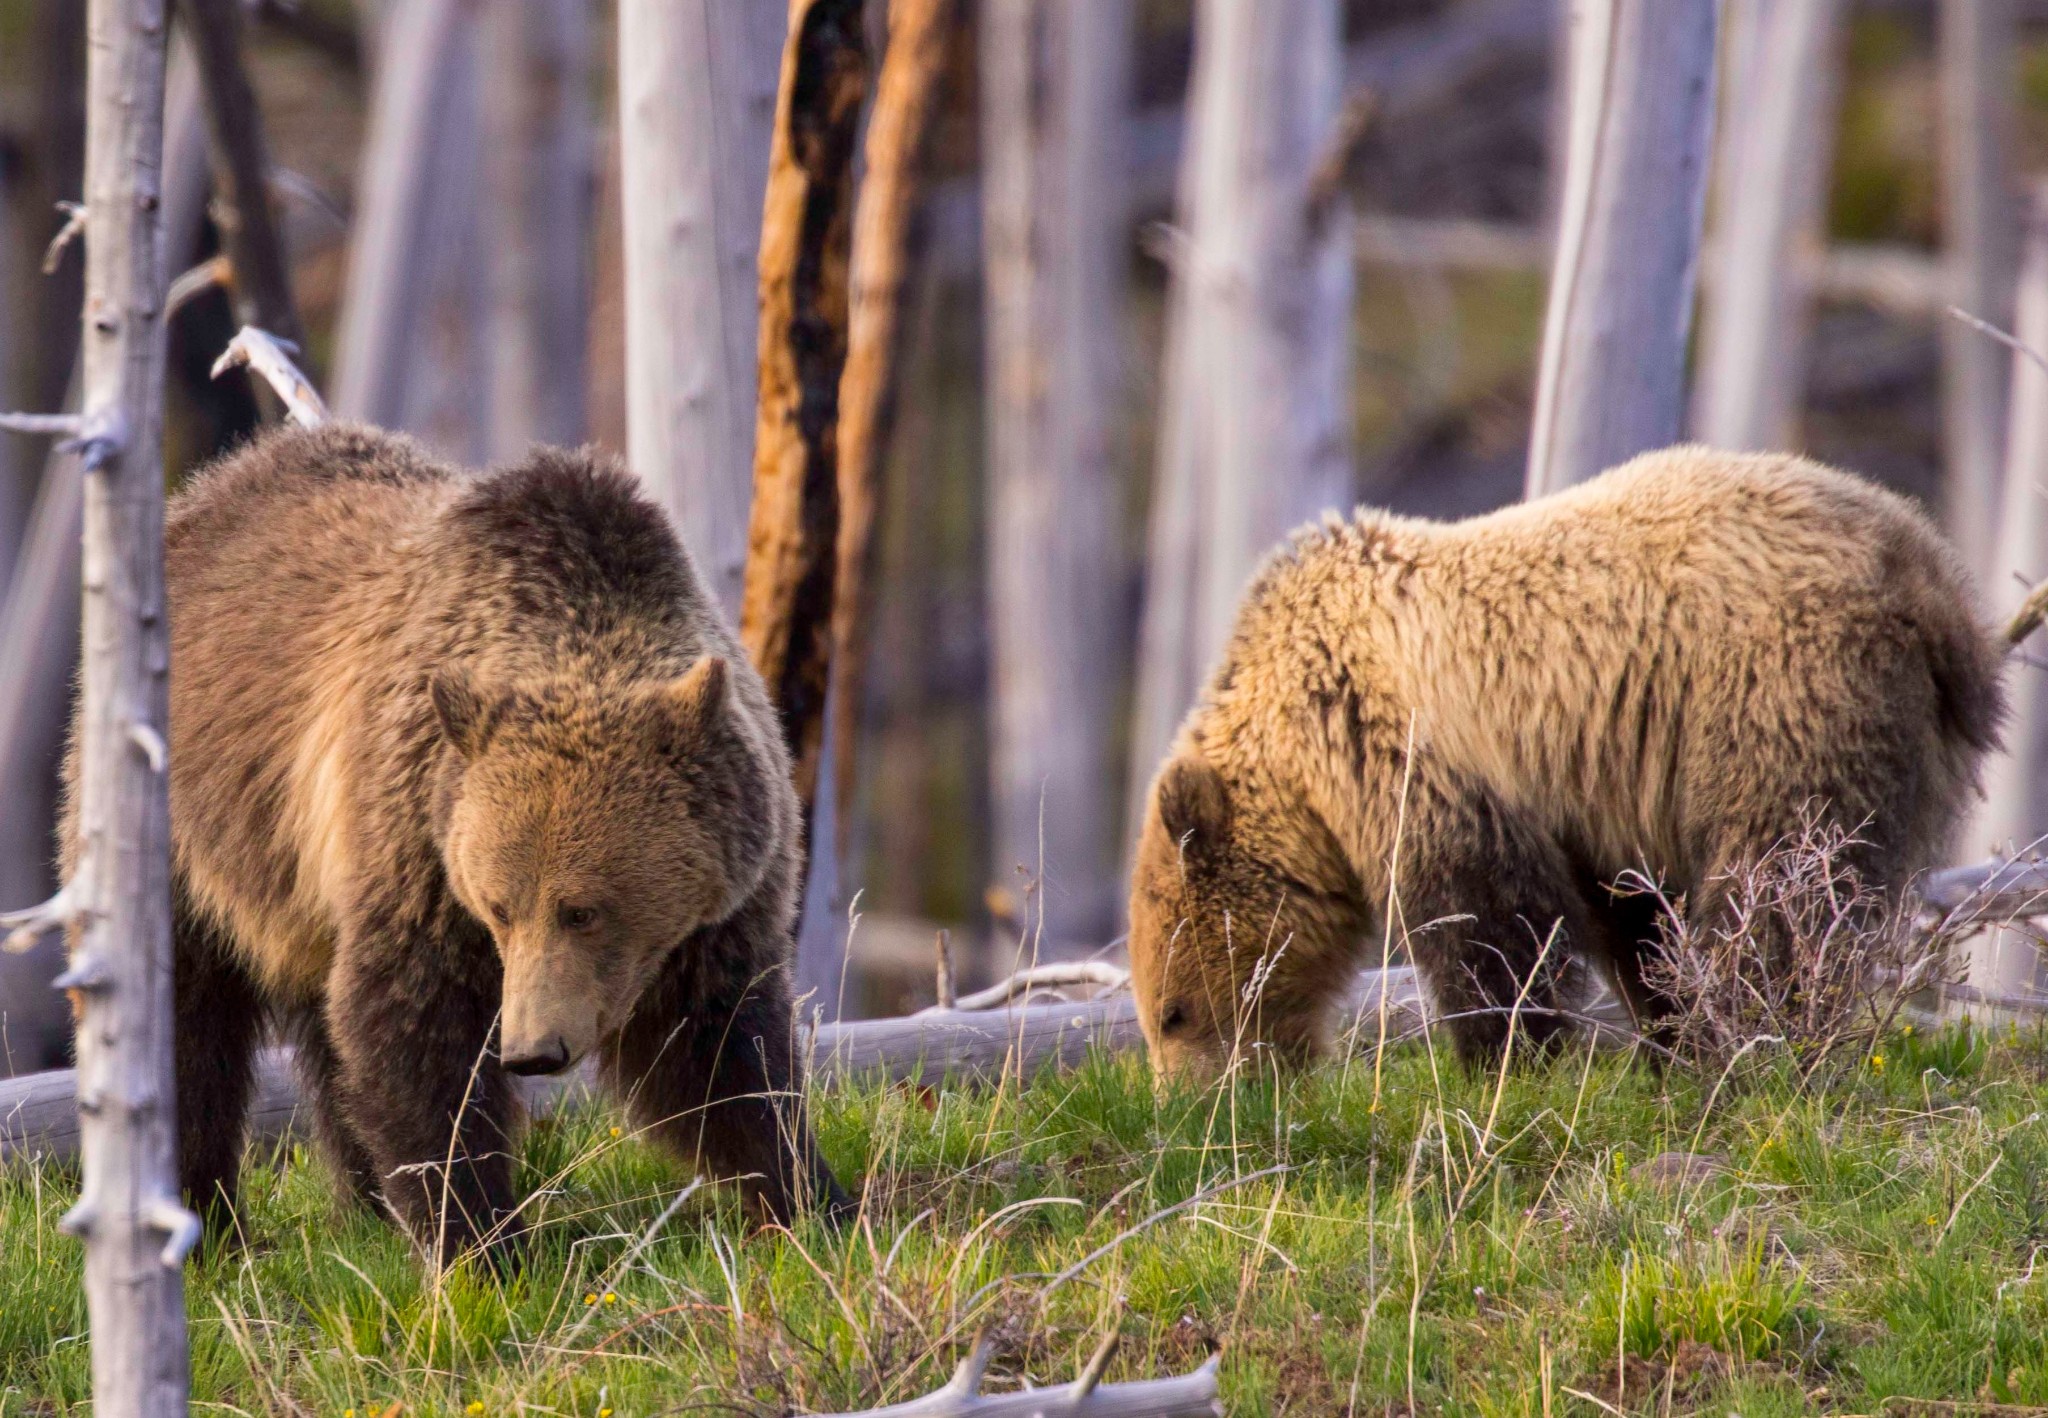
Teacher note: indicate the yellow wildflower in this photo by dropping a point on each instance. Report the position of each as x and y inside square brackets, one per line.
[476, 1405]
[591, 1298]
[610, 1298]
[1877, 1063]
[615, 1132]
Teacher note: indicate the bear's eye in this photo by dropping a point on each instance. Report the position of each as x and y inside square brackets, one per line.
[499, 914]
[575, 918]
[1172, 1018]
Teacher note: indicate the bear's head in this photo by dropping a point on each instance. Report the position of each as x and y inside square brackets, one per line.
[591, 830]
[1241, 935]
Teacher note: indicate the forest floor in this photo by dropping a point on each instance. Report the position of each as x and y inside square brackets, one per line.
[1436, 1242]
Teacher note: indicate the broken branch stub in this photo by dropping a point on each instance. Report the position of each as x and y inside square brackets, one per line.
[264, 354]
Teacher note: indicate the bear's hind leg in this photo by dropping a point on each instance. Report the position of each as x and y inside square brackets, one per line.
[1490, 914]
[218, 1014]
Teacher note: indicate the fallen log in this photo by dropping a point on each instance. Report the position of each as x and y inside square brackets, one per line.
[39, 1111]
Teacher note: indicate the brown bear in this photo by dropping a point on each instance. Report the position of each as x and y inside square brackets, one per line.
[469, 779]
[1487, 723]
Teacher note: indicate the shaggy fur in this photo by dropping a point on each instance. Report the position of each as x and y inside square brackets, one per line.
[468, 776]
[1660, 670]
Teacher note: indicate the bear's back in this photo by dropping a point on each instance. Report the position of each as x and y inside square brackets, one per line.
[1687, 640]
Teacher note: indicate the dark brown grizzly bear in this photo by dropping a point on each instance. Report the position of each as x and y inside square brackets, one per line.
[1486, 723]
[469, 778]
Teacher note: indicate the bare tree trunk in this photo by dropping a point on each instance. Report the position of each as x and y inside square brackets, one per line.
[1255, 435]
[241, 162]
[118, 898]
[1054, 121]
[538, 158]
[389, 277]
[1611, 382]
[806, 237]
[695, 160]
[1771, 192]
[1979, 54]
[2014, 814]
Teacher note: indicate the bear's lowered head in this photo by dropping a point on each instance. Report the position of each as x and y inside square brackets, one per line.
[592, 828]
[1236, 933]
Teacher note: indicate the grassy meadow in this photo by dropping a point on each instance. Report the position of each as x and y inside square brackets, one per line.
[1411, 1239]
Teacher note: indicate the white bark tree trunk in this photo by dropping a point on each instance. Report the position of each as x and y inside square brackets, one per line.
[1980, 213]
[538, 172]
[695, 168]
[1255, 435]
[1054, 116]
[1611, 382]
[2014, 814]
[136, 1234]
[1770, 195]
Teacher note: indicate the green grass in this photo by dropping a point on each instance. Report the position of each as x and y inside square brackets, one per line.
[1461, 1247]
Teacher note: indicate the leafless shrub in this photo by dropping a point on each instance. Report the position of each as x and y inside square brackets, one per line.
[1792, 954]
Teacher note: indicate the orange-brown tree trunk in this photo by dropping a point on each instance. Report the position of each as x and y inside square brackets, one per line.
[888, 240]
[806, 239]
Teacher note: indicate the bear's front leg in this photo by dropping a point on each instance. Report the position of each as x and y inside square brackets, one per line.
[410, 1013]
[710, 1068]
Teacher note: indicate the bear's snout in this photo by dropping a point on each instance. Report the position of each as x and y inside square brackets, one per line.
[549, 1055]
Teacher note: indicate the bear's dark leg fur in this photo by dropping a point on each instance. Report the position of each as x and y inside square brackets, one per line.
[411, 1010]
[219, 1017]
[719, 1081]
[318, 1069]
[1482, 892]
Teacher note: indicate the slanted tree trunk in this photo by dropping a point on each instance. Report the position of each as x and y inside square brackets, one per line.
[1770, 192]
[1053, 95]
[2014, 814]
[1254, 434]
[390, 264]
[1980, 239]
[119, 894]
[1611, 381]
[695, 168]
[39, 622]
[538, 158]
[241, 163]
[806, 235]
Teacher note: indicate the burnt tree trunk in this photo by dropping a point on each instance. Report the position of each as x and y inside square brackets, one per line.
[806, 234]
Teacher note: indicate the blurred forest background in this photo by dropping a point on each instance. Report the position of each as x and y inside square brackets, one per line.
[1452, 183]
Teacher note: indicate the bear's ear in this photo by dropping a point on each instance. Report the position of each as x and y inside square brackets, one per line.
[464, 716]
[1194, 804]
[694, 701]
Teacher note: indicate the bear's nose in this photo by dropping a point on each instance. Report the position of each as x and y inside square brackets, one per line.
[550, 1055]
